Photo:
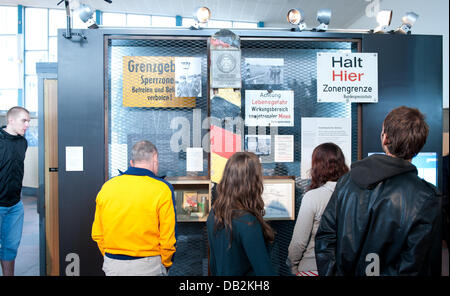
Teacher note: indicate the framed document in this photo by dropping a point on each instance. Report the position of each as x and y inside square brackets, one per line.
[279, 199]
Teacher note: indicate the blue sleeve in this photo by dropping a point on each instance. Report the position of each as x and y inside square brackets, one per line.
[175, 210]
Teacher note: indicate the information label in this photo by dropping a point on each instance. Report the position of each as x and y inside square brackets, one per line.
[347, 77]
[264, 108]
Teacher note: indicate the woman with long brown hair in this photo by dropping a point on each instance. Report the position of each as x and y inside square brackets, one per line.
[237, 233]
[327, 166]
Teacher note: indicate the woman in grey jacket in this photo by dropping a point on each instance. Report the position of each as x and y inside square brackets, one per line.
[327, 166]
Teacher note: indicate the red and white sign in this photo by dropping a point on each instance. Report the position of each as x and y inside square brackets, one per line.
[347, 77]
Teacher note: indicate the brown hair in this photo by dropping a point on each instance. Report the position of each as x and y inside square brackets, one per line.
[406, 132]
[14, 111]
[239, 192]
[328, 164]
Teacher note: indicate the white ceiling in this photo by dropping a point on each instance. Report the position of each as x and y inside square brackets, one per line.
[271, 12]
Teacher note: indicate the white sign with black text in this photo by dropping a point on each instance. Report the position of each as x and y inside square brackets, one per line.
[347, 77]
[269, 108]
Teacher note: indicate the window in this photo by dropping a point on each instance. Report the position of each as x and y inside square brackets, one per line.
[244, 25]
[36, 50]
[56, 20]
[36, 29]
[8, 98]
[163, 21]
[8, 20]
[114, 19]
[138, 20]
[9, 58]
[41, 35]
[187, 22]
[219, 24]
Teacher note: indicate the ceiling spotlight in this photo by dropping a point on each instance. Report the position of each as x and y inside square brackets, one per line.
[384, 20]
[323, 17]
[295, 17]
[68, 34]
[86, 14]
[407, 22]
[201, 16]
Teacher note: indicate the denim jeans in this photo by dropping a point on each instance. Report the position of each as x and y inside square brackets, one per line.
[11, 225]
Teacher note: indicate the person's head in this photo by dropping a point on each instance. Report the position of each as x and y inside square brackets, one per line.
[144, 155]
[404, 132]
[241, 188]
[327, 164]
[18, 120]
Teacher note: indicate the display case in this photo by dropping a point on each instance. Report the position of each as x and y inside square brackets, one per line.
[193, 199]
[197, 128]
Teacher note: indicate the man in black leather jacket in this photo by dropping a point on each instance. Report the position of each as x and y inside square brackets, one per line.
[382, 219]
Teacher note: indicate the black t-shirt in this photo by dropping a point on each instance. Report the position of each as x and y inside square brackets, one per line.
[12, 155]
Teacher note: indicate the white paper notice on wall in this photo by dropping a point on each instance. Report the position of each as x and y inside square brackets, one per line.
[194, 159]
[318, 130]
[284, 148]
[269, 108]
[74, 158]
[347, 77]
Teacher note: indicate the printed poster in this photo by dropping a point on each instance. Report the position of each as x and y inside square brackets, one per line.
[284, 148]
[188, 77]
[264, 108]
[347, 77]
[263, 71]
[149, 81]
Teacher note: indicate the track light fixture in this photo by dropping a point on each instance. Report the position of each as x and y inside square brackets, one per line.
[68, 34]
[86, 14]
[201, 16]
[323, 17]
[407, 22]
[384, 20]
[295, 17]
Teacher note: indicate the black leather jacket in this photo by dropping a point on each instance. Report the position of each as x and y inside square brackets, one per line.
[380, 208]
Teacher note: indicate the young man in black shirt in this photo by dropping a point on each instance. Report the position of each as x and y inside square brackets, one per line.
[13, 146]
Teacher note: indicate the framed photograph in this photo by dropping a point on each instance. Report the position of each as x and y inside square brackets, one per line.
[258, 144]
[190, 201]
[188, 77]
[279, 199]
[263, 71]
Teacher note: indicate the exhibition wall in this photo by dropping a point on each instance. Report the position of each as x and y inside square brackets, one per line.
[96, 128]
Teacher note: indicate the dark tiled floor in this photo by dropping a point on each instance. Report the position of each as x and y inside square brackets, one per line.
[27, 261]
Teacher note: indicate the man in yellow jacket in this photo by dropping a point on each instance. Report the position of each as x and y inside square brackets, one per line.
[135, 222]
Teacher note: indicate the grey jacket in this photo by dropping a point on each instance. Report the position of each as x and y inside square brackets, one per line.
[301, 249]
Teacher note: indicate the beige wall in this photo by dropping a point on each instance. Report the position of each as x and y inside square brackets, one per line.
[445, 144]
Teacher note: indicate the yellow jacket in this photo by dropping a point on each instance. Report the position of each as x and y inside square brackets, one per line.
[135, 216]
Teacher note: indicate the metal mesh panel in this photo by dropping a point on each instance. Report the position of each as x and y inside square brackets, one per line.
[126, 125]
[300, 76]
[130, 124]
